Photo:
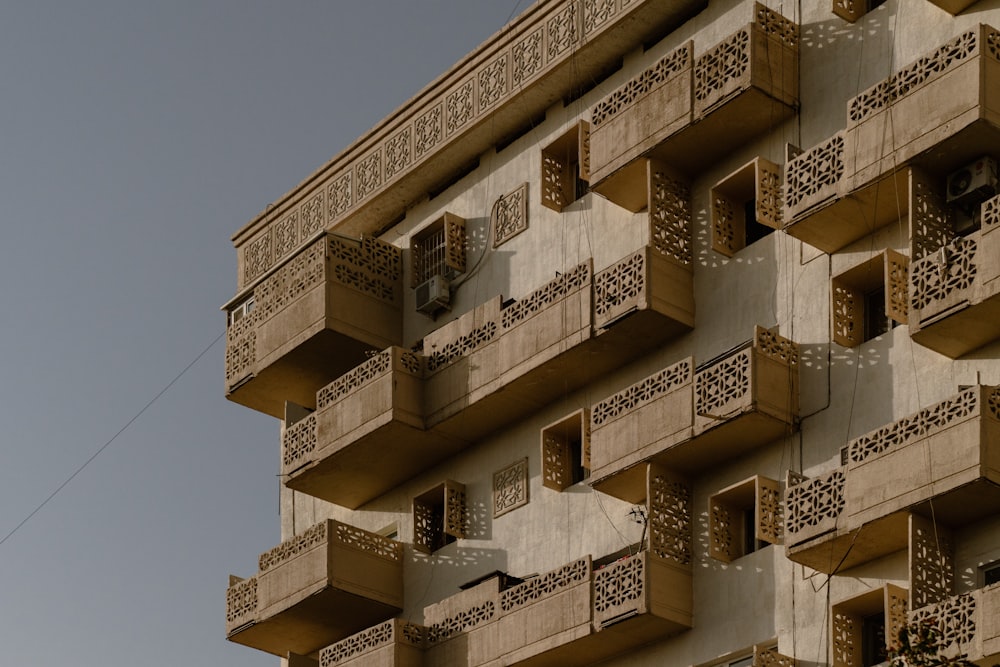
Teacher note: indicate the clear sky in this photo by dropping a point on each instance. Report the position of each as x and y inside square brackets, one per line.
[135, 138]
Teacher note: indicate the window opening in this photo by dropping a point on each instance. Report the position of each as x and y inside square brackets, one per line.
[746, 206]
[744, 518]
[870, 299]
[991, 574]
[566, 451]
[439, 516]
[566, 168]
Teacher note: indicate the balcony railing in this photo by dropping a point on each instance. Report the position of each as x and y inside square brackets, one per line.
[688, 110]
[966, 624]
[687, 418]
[492, 365]
[955, 289]
[311, 319]
[851, 184]
[320, 586]
[858, 512]
[394, 643]
[539, 57]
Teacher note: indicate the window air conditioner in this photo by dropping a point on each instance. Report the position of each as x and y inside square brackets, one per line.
[433, 295]
[973, 183]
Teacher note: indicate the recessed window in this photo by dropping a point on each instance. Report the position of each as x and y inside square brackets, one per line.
[991, 573]
[865, 626]
[744, 517]
[870, 299]
[746, 206]
[566, 451]
[439, 516]
[438, 250]
[241, 310]
[566, 168]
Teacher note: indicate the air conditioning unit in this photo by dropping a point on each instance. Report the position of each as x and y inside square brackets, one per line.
[973, 183]
[433, 295]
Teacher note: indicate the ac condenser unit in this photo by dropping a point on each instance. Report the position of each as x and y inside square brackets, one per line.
[973, 183]
[433, 295]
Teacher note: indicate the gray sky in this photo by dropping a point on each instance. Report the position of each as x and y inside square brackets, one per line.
[135, 138]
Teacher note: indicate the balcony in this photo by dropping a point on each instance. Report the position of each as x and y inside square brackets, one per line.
[966, 624]
[955, 289]
[311, 319]
[688, 111]
[318, 587]
[948, 453]
[493, 365]
[687, 418]
[943, 113]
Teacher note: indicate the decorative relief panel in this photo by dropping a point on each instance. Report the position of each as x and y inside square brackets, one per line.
[619, 587]
[812, 173]
[398, 153]
[670, 519]
[670, 217]
[369, 175]
[460, 106]
[954, 618]
[366, 541]
[562, 31]
[720, 388]
[553, 291]
[309, 539]
[299, 275]
[493, 82]
[596, 13]
[550, 583]
[340, 195]
[813, 502]
[510, 488]
[718, 72]
[914, 427]
[932, 563]
[313, 217]
[428, 131]
[354, 379]
[641, 393]
[241, 602]
[663, 70]
[618, 289]
[937, 276]
[285, 235]
[362, 642]
[510, 215]
[257, 257]
[298, 441]
[526, 58]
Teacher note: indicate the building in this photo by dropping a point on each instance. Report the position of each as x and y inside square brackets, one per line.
[654, 332]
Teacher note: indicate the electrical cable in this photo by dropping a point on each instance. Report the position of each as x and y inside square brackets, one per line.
[112, 439]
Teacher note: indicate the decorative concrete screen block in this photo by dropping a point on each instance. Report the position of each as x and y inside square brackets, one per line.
[643, 112]
[374, 267]
[852, 641]
[537, 589]
[744, 203]
[510, 488]
[769, 657]
[566, 167]
[298, 441]
[510, 215]
[813, 507]
[814, 177]
[620, 590]
[743, 516]
[931, 562]
[762, 55]
[670, 215]
[958, 621]
[394, 643]
[572, 281]
[462, 612]
[566, 450]
[241, 602]
[439, 516]
[867, 296]
[669, 515]
[438, 249]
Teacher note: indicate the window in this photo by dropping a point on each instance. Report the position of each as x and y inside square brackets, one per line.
[241, 310]
[866, 625]
[990, 573]
[870, 299]
[438, 250]
[746, 206]
[852, 10]
[439, 516]
[566, 168]
[744, 517]
[566, 451]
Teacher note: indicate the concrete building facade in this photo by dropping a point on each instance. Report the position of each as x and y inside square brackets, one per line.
[654, 332]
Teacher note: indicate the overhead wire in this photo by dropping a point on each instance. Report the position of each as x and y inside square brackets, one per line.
[107, 444]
